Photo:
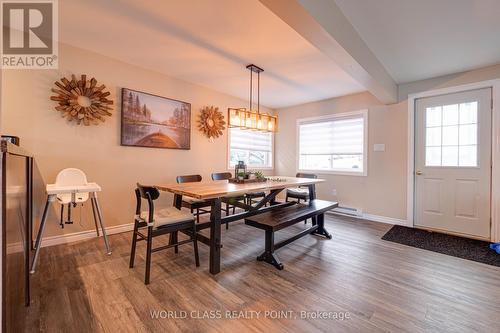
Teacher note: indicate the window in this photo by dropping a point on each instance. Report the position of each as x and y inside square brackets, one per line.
[334, 144]
[451, 135]
[252, 147]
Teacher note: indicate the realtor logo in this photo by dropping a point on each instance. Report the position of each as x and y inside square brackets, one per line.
[29, 34]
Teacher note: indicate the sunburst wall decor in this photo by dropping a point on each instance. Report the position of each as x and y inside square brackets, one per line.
[211, 122]
[82, 100]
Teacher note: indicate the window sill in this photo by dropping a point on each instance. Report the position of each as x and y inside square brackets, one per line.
[253, 169]
[338, 173]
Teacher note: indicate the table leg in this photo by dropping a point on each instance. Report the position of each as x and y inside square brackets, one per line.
[321, 231]
[215, 236]
[312, 196]
[99, 214]
[178, 201]
[268, 255]
[38, 243]
[173, 235]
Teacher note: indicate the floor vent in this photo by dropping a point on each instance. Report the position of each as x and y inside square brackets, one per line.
[348, 211]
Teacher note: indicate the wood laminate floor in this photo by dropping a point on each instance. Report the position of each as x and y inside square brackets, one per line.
[382, 286]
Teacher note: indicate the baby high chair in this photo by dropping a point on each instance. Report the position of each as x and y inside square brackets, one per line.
[71, 187]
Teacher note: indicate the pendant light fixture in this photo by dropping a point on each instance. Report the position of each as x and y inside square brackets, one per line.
[252, 119]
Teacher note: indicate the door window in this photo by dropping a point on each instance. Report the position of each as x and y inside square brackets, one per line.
[451, 135]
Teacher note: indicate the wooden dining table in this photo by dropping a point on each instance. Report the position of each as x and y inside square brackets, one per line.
[215, 191]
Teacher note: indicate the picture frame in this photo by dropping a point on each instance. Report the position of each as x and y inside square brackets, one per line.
[153, 121]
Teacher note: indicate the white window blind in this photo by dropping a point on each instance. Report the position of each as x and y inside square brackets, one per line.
[253, 147]
[334, 143]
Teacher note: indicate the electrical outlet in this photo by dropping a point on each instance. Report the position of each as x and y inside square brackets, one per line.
[334, 191]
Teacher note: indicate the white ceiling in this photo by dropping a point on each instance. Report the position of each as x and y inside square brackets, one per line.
[419, 39]
[207, 42]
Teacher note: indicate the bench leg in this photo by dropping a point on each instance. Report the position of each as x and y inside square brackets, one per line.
[268, 255]
[321, 231]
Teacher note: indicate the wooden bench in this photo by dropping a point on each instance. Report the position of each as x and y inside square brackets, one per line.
[281, 218]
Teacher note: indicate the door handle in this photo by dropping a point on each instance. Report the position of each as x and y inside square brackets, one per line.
[418, 173]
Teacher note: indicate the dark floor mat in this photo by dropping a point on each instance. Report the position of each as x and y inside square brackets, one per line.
[455, 246]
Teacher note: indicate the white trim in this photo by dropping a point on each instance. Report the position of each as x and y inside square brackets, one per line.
[410, 186]
[374, 218]
[338, 173]
[82, 235]
[495, 149]
[363, 113]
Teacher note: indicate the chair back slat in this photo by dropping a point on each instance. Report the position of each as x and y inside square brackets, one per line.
[139, 202]
[221, 175]
[145, 190]
[306, 175]
[149, 193]
[188, 179]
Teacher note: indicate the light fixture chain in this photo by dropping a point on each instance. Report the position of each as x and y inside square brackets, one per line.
[251, 88]
[258, 92]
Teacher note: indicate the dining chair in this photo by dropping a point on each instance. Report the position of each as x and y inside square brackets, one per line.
[300, 193]
[250, 196]
[228, 200]
[193, 204]
[164, 221]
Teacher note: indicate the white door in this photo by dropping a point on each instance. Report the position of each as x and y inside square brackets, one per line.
[453, 163]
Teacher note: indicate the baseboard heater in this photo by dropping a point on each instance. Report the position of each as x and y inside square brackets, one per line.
[349, 211]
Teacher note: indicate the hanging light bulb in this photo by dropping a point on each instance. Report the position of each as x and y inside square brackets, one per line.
[248, 119]
[236, 120]
[259, 122]
[270, 126]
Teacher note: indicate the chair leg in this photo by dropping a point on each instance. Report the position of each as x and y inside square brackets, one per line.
[148, 254]
[234, 209]
[227, 213]
[197, 215]
[195, 246]
[134, 243]
[176, 240]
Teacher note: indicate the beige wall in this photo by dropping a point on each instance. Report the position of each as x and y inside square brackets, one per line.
[28, 113]
[383, 191]
[56, 144]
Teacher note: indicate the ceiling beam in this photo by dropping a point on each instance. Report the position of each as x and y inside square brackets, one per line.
[323, 24]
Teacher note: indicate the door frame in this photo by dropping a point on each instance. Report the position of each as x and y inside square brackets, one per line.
[495, 149]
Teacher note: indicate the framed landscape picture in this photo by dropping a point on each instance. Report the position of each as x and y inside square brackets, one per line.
[154, 121]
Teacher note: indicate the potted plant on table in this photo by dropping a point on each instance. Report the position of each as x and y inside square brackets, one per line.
[260, 175]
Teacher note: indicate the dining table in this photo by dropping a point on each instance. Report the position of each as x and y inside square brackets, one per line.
[216, 191]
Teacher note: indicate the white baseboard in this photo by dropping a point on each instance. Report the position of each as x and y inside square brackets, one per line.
[374, 218]
[81, 235]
